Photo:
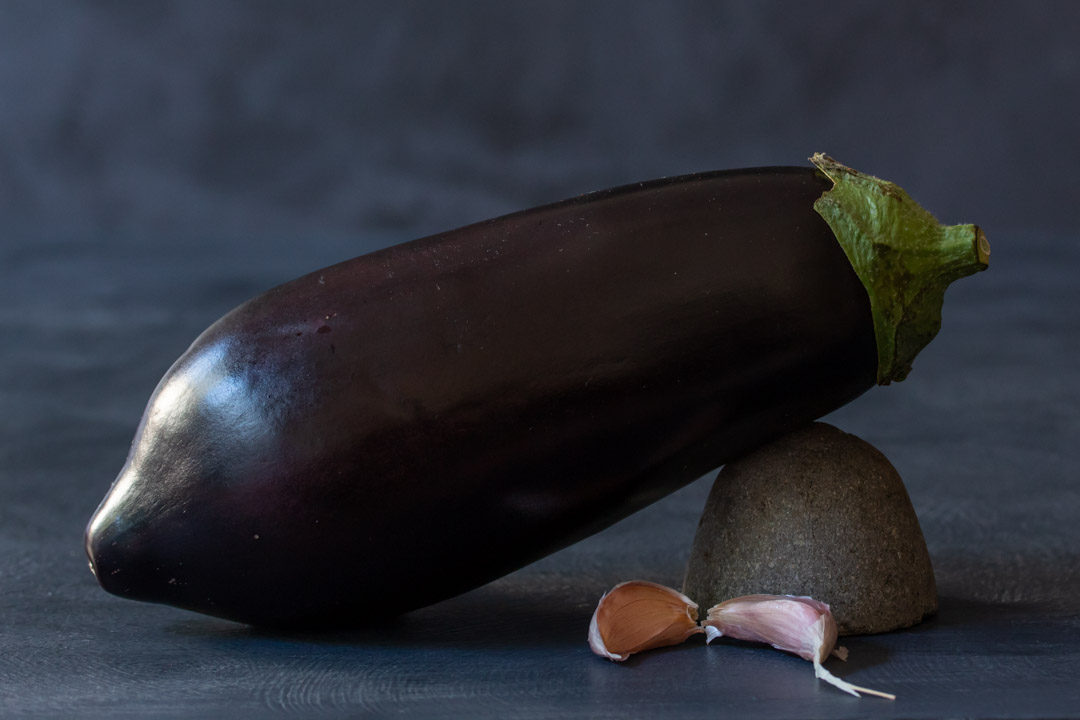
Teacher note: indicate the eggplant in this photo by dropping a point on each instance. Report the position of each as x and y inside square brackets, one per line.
[402, 427]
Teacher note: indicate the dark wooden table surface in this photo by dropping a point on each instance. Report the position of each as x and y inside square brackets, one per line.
[986, 433]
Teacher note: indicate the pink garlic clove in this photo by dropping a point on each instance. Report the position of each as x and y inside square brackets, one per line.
[799, 625]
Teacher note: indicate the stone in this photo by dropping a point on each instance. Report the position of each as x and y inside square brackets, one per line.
[821, 513]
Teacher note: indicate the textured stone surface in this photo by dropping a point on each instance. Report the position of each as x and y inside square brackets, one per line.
[819, 512]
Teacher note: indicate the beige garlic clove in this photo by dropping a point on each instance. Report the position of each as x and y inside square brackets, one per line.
[799, 625]
[639, 615]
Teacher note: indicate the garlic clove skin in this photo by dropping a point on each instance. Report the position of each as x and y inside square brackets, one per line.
[799, 625]
[639, 615]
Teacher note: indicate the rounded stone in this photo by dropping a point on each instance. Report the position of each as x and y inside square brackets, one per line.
[822, 513]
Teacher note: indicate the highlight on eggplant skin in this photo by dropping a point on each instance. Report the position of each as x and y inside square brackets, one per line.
[410, 424]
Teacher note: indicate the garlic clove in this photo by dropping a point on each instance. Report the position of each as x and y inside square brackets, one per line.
[638, 615]
[799, 625]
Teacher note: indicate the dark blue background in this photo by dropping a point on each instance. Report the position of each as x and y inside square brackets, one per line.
[336, 118]
[162, 162]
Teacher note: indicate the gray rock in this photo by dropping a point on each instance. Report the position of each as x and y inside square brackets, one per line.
[822, 513]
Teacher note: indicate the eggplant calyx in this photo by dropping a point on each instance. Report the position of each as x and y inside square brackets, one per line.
[904, 257]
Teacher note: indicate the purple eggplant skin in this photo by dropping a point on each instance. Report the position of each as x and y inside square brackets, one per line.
[410, 424]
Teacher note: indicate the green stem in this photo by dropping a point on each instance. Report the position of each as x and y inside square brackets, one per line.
[903, 255]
